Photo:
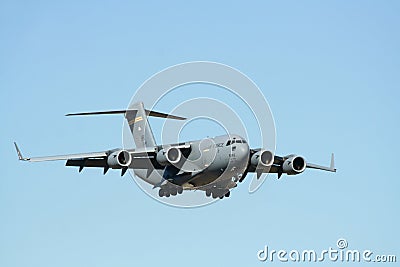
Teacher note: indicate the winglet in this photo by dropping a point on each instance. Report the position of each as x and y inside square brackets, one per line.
[331, 168]
[333, 163]
[20, 157]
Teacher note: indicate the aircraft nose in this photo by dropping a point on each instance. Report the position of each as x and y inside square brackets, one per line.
[242, 151]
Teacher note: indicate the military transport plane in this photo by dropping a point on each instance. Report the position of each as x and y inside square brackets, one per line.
[213, 165]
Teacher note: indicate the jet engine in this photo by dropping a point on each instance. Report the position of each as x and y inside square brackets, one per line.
[263, 158]
[169, 156]
[294, 165]
[119, 159]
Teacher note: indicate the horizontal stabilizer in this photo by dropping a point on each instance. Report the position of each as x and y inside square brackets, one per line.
[151, 113]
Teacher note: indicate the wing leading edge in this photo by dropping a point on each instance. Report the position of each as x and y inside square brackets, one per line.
[331, 168]
[141, 159]
[61, 157]
[278, 162]
[290, 164]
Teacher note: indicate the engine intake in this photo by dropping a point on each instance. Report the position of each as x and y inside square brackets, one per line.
[263, 158]
[169, 156]
[294, 165]
[119, 159]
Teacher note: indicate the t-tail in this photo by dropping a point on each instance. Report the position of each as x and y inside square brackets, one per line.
[139, 125]
[136, 116]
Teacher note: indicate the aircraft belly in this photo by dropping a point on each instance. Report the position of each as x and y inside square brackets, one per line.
[204, 178]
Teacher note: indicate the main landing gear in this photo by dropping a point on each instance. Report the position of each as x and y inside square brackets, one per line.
[170, 191]
[218, 193]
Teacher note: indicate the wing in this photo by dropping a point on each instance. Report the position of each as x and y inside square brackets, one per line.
[96, 155]
[290, 164]
[331, 168]
[140, 159]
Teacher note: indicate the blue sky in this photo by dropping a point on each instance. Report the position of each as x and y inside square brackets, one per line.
[330, 72]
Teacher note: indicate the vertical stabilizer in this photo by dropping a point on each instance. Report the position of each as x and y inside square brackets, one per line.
[139, 126]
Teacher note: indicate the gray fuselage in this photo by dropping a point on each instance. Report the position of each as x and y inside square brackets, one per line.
[211, 160]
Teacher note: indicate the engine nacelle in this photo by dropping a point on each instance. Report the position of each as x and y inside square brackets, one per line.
[119, 159]
[263, 158]
[294, 165]
[169, 156]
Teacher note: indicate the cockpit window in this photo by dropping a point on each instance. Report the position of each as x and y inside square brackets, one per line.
[235, 141]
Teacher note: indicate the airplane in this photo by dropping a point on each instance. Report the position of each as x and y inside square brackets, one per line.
[213, 165]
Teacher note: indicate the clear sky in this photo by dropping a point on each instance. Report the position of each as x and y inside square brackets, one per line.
[329, 69]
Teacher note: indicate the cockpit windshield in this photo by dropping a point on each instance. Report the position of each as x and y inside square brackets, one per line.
[235, 141]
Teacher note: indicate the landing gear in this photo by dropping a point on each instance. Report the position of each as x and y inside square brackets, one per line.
[214, 194]
[161, 192]
[170, 190]
[218, 193]
[180, 190]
